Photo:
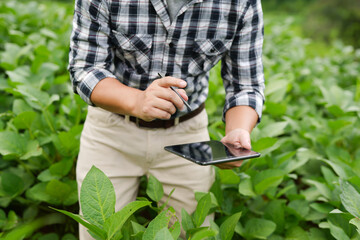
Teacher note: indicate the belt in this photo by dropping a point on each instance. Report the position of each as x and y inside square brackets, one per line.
[159, 123]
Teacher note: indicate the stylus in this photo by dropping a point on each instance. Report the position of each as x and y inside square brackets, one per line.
[172, 88]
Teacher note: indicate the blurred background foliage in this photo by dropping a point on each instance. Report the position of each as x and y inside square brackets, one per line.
[308, 136]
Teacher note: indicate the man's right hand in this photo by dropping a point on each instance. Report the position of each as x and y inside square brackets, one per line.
[158, 100]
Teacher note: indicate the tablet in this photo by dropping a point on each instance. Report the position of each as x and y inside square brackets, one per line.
[210, 152]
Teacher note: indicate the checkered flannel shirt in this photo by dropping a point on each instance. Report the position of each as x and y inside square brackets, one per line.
[134, 40]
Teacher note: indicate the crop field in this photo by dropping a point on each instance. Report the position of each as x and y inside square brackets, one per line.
[305, 185]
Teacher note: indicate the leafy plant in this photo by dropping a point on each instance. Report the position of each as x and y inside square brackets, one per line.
[305, 185]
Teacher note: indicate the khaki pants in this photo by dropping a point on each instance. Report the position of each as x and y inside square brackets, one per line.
[125, 152]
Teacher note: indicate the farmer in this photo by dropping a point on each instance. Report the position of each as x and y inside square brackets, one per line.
[119, 48]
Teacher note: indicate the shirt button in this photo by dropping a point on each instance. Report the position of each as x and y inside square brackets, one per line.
[171, 45]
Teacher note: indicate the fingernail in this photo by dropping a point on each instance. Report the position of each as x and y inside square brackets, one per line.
[182, 84]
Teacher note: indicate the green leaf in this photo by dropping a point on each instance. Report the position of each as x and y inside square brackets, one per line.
[14, 146]
[58, 190]
[2, 218]
[274, 129]
[186, 220]
[246, 188]
[161, 221]
[10, 56]
[67, 143]
[11, 184]
[137, 228]
[341, 169]
[297, 233]
[228, 176]
[115, 222]
[163, 233]
[356, 223]
[263, 143]
[259, 228]
[350, 198]
[24, 120]
[337, 232]
[35, 97]
[228, 226]
[199, 195]
[49, 236]
[267, 179]
[275, 212]
[204, 234]
[93, 228]
[175, 230]
[299, 207]
[61, 168]
[97, 197]
[154, 189]
[26, 230]
[202, 210]
[68, 236]
[322, 188]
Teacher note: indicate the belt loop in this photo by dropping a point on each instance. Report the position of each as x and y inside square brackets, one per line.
[127, 118]
[176, 121]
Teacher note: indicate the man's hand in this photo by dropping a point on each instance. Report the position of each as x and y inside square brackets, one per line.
[237, 139]
[158, 100]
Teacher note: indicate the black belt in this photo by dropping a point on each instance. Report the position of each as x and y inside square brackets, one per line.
[158, 123]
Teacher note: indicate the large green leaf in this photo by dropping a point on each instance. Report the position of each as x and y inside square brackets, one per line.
[246, 188]
[36, 98]
[228, 226]
[204, 234]
[93, 228]
[24, 231]
[163, 234]
[161, 221]
[267, 179]
[24, 120]
[14, 145]
[11, 184]
[202, 210]
[259, 228]
[97, 197]
[186, 220]
[350, 198]
[154, 189]
[114, 223]
[356, 223]
[228, 176]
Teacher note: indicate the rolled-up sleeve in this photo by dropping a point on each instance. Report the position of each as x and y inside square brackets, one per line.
[90, 56]
[242, 68]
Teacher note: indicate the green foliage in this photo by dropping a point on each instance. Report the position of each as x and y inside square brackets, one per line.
[305, 185]
[40, 121]
[331, 19]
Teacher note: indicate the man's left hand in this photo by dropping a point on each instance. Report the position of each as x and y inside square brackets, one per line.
[237, 138]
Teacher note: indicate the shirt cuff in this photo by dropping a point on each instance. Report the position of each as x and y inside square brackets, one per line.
[253, 99]
[87, 80]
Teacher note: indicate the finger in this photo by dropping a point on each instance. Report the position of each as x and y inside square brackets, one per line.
[170, 96]
[165, 105]
[183, 94]
[244, 140]
[171, 81]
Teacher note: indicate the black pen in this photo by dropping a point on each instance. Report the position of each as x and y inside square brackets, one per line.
[172, 88]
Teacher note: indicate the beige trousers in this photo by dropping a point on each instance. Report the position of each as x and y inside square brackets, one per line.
[125, 152]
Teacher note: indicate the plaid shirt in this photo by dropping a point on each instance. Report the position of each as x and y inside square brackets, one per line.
[134, 40]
